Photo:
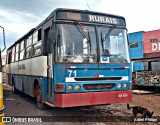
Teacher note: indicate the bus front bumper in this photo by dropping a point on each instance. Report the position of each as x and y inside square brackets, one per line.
[92, 98]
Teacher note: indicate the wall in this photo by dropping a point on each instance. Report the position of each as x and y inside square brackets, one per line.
[152, 44]
[136, 52]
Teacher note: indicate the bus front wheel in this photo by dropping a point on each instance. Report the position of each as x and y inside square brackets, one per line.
[40, 103]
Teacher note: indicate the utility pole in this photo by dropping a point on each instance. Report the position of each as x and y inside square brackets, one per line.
[1, 84]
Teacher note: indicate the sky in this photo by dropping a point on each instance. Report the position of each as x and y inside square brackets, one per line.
[19, 16]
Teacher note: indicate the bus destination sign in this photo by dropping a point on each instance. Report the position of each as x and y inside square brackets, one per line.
[102, 19]
[89, 17]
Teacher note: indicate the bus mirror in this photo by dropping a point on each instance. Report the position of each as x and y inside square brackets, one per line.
[2, 45]
[2, 39]
[52, 35]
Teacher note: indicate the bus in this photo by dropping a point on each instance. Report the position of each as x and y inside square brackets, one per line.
[73, 58]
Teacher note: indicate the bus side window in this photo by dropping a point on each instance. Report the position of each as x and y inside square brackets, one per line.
[37, 43]
[37, 49]
[29, 41]
[17, 52]
[9, 57]
[13, 54]
[39, 34]
[35, 37]
[28, 52]
[21, 53]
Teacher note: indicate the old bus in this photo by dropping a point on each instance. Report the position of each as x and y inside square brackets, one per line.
[73, 58]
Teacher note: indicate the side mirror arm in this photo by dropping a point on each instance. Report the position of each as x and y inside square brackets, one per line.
[3, 39]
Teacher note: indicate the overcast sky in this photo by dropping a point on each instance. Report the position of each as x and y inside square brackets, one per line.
[19, 16]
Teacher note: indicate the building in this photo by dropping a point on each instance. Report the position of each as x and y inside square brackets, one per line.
[145, 45]
[151, 44]
[136, 49]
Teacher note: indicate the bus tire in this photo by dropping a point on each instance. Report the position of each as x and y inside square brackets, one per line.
[14, 90]
[41, 105]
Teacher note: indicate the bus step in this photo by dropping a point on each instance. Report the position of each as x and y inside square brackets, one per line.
[50, 104]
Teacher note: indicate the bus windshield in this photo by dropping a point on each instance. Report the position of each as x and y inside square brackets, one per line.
[113, 44]
[76, 43]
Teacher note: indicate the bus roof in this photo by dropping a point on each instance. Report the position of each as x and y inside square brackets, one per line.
[63, 9]
[76, 10]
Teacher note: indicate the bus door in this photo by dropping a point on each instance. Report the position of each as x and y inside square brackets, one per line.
[49, 66]
[49, 77]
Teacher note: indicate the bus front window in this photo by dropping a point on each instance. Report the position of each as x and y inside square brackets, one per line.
[113, 44]
[76, 43]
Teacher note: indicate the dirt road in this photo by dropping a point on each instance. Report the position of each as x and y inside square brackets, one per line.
[23, 105]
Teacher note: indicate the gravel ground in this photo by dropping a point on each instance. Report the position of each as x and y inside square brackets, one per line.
[23, 105]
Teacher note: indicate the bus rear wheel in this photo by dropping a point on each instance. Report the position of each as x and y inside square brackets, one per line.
[40, 103]
[14, 90]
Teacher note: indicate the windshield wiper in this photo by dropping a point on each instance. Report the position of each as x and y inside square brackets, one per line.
[81, 30]
[110, 30]
[102, 40]
[107, 34]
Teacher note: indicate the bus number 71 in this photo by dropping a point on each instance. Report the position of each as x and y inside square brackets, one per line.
[72, 72]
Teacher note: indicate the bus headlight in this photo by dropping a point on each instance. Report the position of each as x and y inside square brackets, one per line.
[125, 85]
[70, 88]
[119, 85]
[77, 87]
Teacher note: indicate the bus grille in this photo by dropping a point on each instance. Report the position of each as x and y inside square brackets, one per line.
[98, 86]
